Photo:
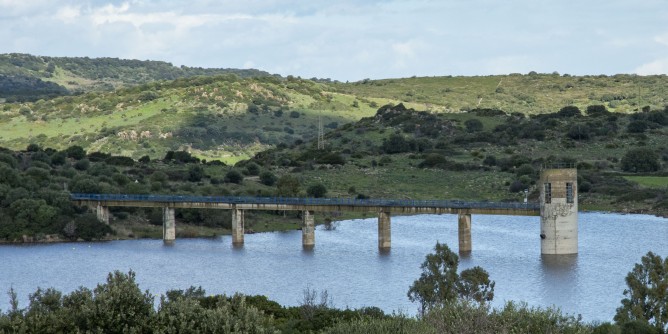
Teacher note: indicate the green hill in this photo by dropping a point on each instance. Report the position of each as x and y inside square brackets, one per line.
[482, 138]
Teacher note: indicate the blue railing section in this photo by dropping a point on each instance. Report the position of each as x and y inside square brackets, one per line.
[454, 204]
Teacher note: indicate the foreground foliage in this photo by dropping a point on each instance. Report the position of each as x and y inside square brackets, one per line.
[120, 306]
[647, 294]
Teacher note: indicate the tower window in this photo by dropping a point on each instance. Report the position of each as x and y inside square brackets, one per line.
[569, 192]
[548, 192]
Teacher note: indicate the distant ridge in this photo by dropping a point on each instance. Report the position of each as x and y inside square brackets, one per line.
[25, 77]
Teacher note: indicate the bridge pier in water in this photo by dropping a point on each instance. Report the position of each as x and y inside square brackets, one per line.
[308, 229]
[168, 225]
[384, 230]
[237, 226]
[464, 231]
[102, 213]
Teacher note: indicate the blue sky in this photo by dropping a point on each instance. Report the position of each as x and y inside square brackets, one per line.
[352, 40]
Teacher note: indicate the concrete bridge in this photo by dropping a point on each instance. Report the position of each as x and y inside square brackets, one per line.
[552, 236]
[384, 208]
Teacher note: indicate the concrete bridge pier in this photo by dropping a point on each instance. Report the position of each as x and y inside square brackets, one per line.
[102, 213]
[237, 226]
[384, 230]
[168, 225]
[308, 229]
[465, 245]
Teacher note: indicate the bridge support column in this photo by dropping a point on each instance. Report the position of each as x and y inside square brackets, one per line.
[465, 246]
[168, 225]
[237, 226]
[308, 230]
[384, 230]
[102, 213]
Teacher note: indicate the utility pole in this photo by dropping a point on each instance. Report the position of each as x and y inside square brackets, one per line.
[321, 134]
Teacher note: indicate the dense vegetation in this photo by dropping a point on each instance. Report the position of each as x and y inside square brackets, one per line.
[120, 306]
[25, 77]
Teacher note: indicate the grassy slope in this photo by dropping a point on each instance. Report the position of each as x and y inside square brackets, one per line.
[529, 94]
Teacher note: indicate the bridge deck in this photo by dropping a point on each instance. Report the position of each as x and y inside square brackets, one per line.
[312, 204]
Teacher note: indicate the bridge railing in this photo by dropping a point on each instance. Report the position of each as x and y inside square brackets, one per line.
[454, 204]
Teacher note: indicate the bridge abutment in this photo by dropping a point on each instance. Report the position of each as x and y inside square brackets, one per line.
[559, 211]
[237, 226]
[308, 229]
[464, 231]
[384, 230]
[168, 225]
[102, 213]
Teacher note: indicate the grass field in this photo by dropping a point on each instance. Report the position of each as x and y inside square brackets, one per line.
[650, 181]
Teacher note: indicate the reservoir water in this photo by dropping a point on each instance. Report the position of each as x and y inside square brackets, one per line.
[346, 262]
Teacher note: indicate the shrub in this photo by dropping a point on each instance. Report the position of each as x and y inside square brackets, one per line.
[316, 190]
[640, 160]
[267, 178]
[233, 176]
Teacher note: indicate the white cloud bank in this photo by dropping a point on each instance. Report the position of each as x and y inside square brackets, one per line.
[346, 40]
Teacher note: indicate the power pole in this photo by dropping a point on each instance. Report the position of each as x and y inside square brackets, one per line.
[321, 134]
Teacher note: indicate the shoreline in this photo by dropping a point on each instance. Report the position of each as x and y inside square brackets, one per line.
[191, 231]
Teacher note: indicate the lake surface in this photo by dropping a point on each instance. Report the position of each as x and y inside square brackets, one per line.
[346, 262]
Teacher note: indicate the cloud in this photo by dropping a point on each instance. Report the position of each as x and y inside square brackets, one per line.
[68, 14]
[345, 40]
[659, 66]
[662, 39]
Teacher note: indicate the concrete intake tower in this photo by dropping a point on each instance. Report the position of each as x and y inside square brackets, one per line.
[559, 211]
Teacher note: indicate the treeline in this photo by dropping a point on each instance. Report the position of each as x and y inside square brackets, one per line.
[21, 74]
[450, 303]
[21, 88]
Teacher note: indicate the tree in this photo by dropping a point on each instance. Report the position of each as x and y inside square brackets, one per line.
[287, 186]
[316, 190]
[597, 110]
[474, 285]
[439, 284]
[233, 176]
[647, 294]
[196, 173]
[640, 160]
[473, 125]
[75, 152]
[267, 178]
[569, 111]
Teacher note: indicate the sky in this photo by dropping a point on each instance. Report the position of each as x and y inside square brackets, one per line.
[349, 40]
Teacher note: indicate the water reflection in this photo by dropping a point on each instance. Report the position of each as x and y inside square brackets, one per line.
[559, 279]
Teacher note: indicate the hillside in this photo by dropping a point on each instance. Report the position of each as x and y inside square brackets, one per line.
[220, 117]
[488, 155]
[231, 118]
[26, 77]
[528, 94]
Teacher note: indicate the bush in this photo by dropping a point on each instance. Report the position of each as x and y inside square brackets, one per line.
[316, 190]
[638, 126]
[640, 160]
[234, 176]
[267, 178]
[473, 125]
